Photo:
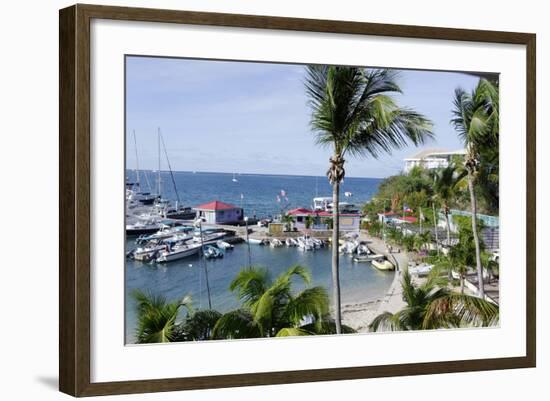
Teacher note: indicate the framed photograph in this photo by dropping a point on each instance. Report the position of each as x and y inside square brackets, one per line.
[250, 200]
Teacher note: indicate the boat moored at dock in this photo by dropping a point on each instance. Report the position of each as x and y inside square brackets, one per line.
[178, 251]
[382, 263]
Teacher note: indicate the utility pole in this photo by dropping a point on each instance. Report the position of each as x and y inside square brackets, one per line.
[248, 242]
[204, 264]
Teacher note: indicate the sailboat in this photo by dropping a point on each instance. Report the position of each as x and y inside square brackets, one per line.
[134, 194]
[234, 179]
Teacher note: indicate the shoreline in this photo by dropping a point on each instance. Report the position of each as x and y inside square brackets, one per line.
[359, 315]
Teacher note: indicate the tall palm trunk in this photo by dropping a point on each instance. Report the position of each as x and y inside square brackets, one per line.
[435, 230]
[335, 255]
[450, 276]
[473, 202]
[448, 224]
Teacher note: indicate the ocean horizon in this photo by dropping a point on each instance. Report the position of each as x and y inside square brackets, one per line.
[261, 195]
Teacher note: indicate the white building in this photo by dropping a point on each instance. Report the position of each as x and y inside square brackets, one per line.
[431, 159]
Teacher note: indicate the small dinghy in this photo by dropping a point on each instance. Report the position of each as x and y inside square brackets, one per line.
[212, 252]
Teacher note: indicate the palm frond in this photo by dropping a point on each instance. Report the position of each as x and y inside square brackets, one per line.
[326, 326]
[293, 332]
[236, 324]
[387, 321]
[312, 302]
[459, 310]
[250, 283]
[200, 324]
[353, 111]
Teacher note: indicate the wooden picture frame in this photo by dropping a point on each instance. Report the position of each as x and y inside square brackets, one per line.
[74, 199]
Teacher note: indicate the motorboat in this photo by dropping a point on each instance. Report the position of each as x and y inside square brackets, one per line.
[317, 242]
[209, 236]
[254, 241]
[367, 258]
[212, 252]
[166, 232]
[305, 243]
[350, 247]
[275, 243]
[143, 227]
[421, 270]
[363, 249]
[291, 242]
[224, 245]
[147, 252]
[178, 251]
[382, 263]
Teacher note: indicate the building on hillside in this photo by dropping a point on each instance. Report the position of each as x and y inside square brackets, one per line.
[217, 212]
[387, 217]
[431, 159]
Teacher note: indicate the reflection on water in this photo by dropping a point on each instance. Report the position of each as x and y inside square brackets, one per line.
[360, 282]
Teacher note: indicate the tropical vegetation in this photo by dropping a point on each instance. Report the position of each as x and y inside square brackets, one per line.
[476, 119]
[432, 305]
[269, 308]
[354, 114]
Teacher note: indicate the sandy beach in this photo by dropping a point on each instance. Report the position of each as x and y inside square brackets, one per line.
[359, 315]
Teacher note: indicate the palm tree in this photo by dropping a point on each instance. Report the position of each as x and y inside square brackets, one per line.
[476, 118]
[270, 307]
[445, 184]
[354, 114]
[309, 221]
[445, 181]
[433, 306]
[157, 317]
[288, 220]
[422, 239]
[198, 326]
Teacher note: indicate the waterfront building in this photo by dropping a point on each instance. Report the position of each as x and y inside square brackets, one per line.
[217, 212]
[432, 159]
[300, 215]
[323, 219]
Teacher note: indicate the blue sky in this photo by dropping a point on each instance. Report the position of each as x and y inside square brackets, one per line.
[253, 117]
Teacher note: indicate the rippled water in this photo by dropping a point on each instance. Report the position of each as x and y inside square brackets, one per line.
[360, 282]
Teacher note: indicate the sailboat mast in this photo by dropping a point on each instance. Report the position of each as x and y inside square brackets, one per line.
[137, 160]
[170, 168]
[159, 189]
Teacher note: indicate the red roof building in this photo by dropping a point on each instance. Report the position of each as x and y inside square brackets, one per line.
[217, 212]
[407, 219]
[215, 205]
[301, 212]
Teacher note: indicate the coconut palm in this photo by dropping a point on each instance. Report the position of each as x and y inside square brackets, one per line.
[434, 306]
[309, 221]
[270, 307]
[157, 317]
[422, 240]
[476, 119]
[354, 114]
[288, 220]
[445, 183]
